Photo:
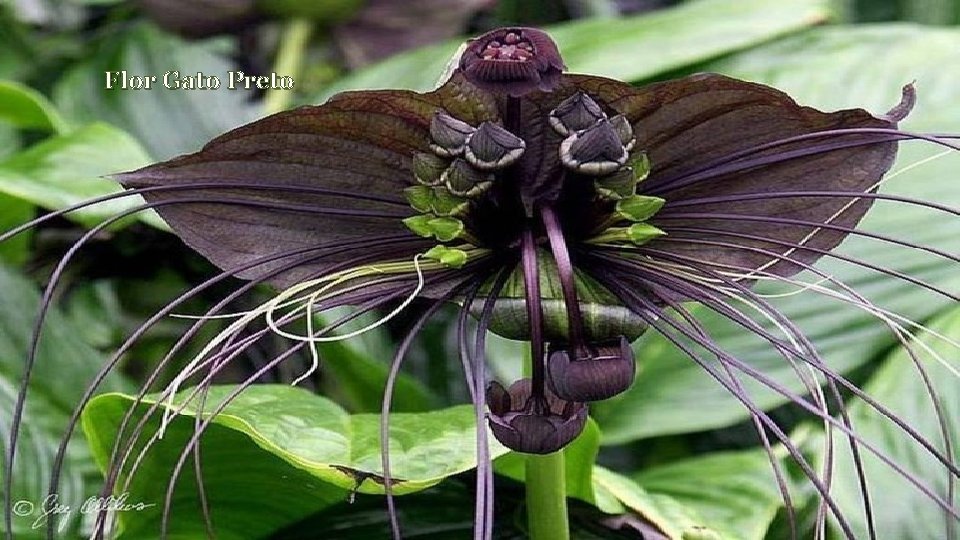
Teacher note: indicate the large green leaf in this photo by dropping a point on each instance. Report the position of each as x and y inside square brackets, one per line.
[631, 48]
[735, 492]
[168, 121]
[900, 510]
[616, 493]
[63, 367]
[69, 169]
[284, 432]
[828, 68]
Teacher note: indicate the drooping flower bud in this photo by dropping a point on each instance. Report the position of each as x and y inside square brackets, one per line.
[515, 61]
[592, 375]
[449, 134]
[576, 113]
[491, 147]
[465, 181]
[522, 424]
[595, 151]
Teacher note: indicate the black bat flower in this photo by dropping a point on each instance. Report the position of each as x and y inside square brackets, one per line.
[571, 211]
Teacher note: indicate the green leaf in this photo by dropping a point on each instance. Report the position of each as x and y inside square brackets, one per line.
[734, 492]
[617, 493]
[168, 121]
[282, 431]
[629, 48]
[899, 509]
[63, 367]
[69, 169]
[24, 107]
[672, 394]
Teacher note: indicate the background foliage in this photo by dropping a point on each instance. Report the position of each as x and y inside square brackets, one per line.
[676, 451]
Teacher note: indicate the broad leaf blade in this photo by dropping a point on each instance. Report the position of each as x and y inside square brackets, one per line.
[69, 169]
[735, 492]
[286, 431]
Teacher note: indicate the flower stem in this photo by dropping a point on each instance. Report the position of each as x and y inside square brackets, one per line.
[293, 43]
[546, 497]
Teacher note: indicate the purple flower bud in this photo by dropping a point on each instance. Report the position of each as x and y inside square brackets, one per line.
[515, 61]
[449, 134]
[595, 151]
[491, 147]
[592, 375]
[527, 424]
[576, 113]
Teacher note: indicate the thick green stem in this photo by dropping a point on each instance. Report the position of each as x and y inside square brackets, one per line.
[289, 61]
[546, 497]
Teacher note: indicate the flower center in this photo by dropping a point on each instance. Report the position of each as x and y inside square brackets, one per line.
[512, 48]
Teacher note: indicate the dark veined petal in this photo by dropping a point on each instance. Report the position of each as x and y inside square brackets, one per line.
[308, 177]
[593, 373]
[718, 117]
[518, 424]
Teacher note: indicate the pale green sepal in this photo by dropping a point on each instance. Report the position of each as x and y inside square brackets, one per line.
[641, 233]
[420, 198]
[445, 203]
[445, 229]
[420, 225]
[640, 164]
[447, 256]
[639, 207]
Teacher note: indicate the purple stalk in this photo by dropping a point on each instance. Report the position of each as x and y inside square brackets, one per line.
[561, 255]
[531, 284]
